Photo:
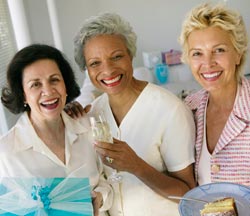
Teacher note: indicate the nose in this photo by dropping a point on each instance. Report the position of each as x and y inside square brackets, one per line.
[209, 60]
[47, 90]
[108, 66]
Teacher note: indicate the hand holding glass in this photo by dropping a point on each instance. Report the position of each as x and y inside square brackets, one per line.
[101, 132]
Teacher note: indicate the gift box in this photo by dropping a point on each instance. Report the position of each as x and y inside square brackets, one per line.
[45, 196]
[172, 57]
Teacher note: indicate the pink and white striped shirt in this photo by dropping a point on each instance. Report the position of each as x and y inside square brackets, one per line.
[230, 161]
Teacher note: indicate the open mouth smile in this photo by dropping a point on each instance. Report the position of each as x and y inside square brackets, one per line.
[211, 76]
[112, 81]
[50, 104]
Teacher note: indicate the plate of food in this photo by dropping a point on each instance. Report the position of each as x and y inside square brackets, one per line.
[223, 199]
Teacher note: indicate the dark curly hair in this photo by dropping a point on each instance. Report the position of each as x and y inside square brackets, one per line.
[13, 94]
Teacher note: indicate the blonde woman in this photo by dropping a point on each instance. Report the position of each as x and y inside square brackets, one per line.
[214, 42]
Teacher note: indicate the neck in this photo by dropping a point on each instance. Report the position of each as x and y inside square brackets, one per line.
[45, 125]
[122, 102]
[223, 98]
[52, 133]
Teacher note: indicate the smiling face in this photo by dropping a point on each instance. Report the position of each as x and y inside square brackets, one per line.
[212, 58]
[109, 63]
[44, 90]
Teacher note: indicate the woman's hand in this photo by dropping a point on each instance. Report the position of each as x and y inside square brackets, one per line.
[75, 110]
[97, 202]
[122, 156]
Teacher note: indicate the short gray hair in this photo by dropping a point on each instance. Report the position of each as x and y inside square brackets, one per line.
[106, 23]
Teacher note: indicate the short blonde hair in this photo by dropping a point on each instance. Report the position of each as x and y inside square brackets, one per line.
[207, 15]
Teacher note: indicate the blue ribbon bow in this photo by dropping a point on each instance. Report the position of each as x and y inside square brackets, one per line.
[42, 193]
[45, 196]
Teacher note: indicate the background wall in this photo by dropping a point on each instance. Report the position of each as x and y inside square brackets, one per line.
[156, 22]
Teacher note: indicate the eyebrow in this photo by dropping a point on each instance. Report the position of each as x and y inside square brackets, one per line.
[51, 76]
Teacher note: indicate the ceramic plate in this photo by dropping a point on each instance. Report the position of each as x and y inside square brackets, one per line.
[212, 192]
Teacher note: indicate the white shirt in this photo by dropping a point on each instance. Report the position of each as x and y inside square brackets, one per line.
[160, 129]
[204, 171]
[24, 154]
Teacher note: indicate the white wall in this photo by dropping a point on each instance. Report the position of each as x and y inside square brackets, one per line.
[38, 21]
[156, 22]
[71, 15]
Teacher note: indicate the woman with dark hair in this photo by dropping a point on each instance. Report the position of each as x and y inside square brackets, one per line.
[12, 97]
[46, 142]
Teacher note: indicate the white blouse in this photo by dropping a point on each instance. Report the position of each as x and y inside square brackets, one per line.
[24, 154]
[160, 129]
[204, 176]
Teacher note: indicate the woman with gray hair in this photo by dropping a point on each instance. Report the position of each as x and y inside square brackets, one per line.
[214, 42]
[155, 155]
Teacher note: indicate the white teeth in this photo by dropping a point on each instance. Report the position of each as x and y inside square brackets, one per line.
[49, 102]
[112, 80]
[211, 75]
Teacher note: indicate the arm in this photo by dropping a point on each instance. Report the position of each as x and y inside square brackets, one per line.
[177, 151]
[125, 159]
[174, 183]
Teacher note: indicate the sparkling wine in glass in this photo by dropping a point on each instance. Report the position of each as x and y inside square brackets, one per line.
[101, 132]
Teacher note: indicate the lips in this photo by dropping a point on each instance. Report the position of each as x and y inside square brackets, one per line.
[112, 81]
[50, 104]
[211, 76]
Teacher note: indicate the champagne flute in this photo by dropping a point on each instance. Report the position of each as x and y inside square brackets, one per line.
[101, 132]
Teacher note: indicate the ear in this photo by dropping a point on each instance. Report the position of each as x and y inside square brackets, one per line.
[238, 58]
[24, 98]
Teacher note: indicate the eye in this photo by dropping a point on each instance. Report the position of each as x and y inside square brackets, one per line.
[195, 53]
[94, 64]
[55, 79]
[220, 50]
[35, 85]
[117, 57]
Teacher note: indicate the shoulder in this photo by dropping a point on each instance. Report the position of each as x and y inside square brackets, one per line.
[7, 143]
[162, 98]
[245, 90]
[242, 105]
[77, 126]
[158, 93]
[245, 84]
[194, 100]
[161, 102]
[18, 137]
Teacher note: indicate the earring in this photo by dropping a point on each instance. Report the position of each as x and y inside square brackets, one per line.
[25, 105]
